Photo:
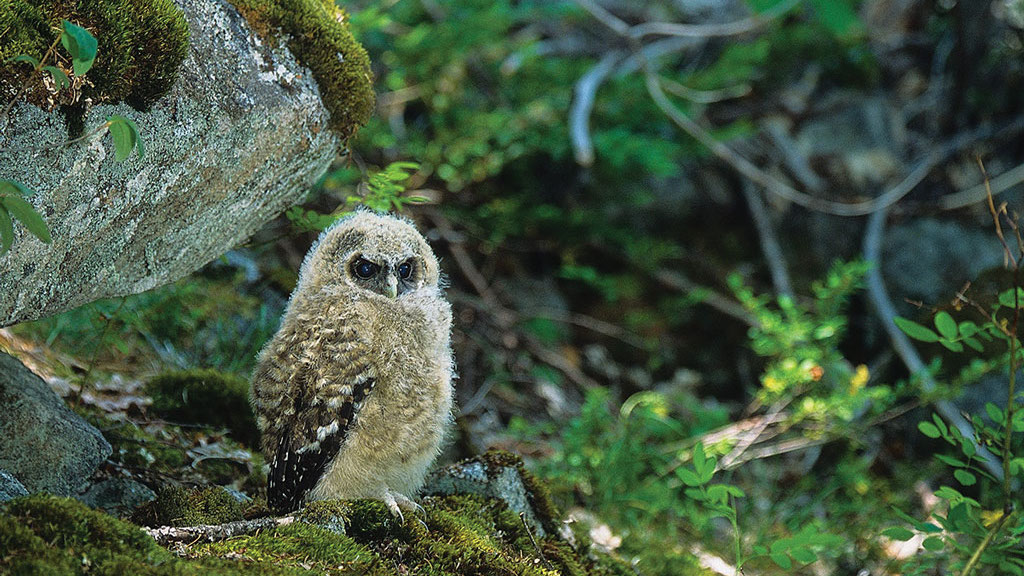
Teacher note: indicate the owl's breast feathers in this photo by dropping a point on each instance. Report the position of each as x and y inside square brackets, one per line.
[324, 369]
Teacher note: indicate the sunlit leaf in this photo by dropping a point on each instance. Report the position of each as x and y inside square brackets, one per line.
[995, 413]
[946, 325]
[928, 429]
[915, 330]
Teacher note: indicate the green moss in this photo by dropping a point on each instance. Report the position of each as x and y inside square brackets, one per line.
[141, 45]
[318, 35]
[178, 506]
[43, 534]
[206, 397]
[301, 545]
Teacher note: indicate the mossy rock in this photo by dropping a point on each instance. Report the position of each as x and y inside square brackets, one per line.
[141, 45]
[206, 397]
[179, 506]
[317, 33]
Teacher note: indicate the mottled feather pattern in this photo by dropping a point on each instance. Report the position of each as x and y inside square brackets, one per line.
[353, 394]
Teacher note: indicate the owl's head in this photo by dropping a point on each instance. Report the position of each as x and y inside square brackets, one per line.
[380, 253]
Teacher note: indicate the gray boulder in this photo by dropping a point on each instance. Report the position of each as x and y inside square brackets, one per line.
[10, 487]
[240, 137]
[117, 496]
[43, 444]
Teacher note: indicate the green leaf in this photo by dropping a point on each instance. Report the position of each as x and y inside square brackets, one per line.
[12, 188]
[28, 216]
[946, 325]
[6, 231]
[940, 424]
[126, 137]
[803, 555]
[928, 429]
[838, 17]
[968, 328]
[81, 45]
[974, 344]
[915, 330]
[689, 477]
[964, 477]
[994, 413]
[699, 459]
[949, 461]
[782, 560]
[952, 345]
[60, 79]
[933, 544]
[26, 58]
[1006, 298]
[898, 533]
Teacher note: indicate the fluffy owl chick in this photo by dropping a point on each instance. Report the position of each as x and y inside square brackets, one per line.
[353, 394]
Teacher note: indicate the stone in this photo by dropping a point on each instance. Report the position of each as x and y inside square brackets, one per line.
[117, 496]
[46, 446]
[10, 487]
[241, 136]
[495, 475]
[929, 259]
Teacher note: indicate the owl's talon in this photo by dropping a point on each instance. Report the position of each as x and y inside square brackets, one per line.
[396, 502]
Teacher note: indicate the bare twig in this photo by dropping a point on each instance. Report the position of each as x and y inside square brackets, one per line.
[783, 190]
[794, 160]
[975, 194]
[712, 30]
[165, 535]
[904, 348]
[769, 243]
[718, 301]
[749, 437]
[590, 323]
[583, 104]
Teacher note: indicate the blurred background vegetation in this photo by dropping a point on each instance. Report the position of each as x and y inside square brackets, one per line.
[658, 220]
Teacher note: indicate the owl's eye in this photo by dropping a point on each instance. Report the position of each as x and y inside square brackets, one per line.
[405, 270]
[365, 269]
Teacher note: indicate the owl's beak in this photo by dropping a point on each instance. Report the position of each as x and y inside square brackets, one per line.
[392, 287]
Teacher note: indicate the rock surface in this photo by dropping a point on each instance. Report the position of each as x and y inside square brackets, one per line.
[492, 476]
[117, 496]
[43, 444]
[10, 487]
[239, 138]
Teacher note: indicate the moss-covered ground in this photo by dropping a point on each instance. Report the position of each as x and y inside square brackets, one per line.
[456, 535]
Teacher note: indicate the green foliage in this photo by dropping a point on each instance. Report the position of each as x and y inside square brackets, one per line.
[208, 397]
[80, 44]
[805, 365]
[13, 205]
[384, 192]
[984, 532]
[143, 43]
[126, 137]
[193, 322]
[317, 33]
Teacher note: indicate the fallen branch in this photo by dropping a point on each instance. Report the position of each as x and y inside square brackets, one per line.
[885, 311]
[583, 105]
[189, 535]
[769, 243]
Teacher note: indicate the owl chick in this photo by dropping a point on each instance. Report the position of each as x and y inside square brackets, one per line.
[353, 394]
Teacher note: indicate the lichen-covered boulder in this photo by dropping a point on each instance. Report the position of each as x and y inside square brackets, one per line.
[43, 444]
[10, 487]
[240, 136]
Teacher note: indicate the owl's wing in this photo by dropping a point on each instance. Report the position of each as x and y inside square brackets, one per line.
[326, 379]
